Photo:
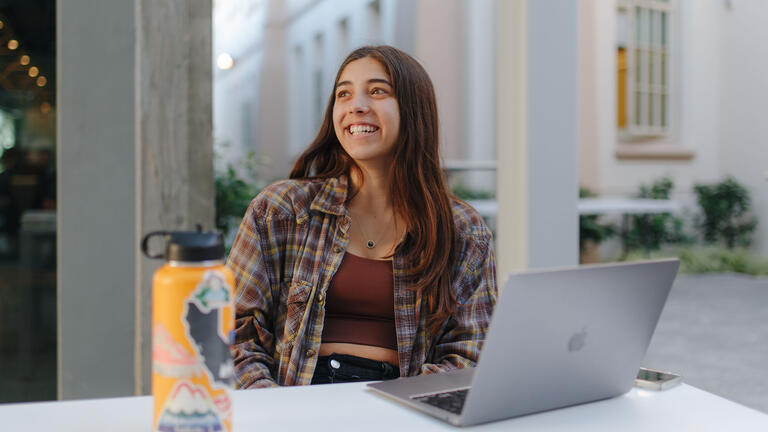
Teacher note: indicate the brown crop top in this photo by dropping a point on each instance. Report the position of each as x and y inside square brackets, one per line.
[360, 303]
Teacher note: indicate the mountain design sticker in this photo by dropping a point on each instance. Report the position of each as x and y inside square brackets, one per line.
[189, 408]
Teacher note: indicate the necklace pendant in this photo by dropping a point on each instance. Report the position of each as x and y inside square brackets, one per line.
[371, 244]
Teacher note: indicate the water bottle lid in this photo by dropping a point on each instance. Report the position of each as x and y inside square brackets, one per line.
[188, 246]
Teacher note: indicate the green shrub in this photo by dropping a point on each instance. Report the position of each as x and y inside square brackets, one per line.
[725, 213]
[590, 228]
[234, 188]
[464, 193]
[233, 195]
[651, 231]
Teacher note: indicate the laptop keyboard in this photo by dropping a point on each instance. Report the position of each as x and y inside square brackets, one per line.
[452, 401]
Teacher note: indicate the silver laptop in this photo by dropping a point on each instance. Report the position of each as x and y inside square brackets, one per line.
[558, 338]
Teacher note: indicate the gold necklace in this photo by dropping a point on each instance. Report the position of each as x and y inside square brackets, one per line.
[369, 243]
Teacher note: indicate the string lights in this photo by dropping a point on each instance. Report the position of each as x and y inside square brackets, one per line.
[21, 63]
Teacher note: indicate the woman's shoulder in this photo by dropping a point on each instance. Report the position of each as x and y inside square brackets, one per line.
[285, 198]
[468, 223]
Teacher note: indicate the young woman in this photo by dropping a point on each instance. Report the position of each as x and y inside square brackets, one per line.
[363, 266]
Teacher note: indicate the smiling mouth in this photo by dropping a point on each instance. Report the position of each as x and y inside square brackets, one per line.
[362, 130]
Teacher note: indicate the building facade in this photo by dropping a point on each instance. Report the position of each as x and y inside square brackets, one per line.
[693, 70]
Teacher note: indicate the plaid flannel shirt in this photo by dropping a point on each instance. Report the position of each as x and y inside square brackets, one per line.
[290, 244]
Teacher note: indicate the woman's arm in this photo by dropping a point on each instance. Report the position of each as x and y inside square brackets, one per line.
[458, 346]
[254, 340]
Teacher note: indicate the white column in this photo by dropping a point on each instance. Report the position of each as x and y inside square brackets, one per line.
[480, 89]
[537, 134]
[96, 198]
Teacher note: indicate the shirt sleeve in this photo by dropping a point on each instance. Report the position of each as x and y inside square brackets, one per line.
[254, 340]
[459, 344]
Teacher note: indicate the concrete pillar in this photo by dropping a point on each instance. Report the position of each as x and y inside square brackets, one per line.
[537, 134]
[134, 154]
[479, 107]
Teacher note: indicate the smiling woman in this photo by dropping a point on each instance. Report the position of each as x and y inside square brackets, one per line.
[363, 266]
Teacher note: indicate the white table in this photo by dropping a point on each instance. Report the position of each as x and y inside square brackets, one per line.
[342, 407]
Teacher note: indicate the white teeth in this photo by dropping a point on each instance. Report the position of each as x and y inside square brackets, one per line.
[362, 129]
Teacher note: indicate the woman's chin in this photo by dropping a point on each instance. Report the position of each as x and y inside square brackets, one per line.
[368, 155]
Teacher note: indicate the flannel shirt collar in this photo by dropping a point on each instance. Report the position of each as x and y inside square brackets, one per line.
[332, 196]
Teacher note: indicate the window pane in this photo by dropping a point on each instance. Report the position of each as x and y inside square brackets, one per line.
[621, 91]
[664, 29]
[638, 62]
[638, 110]
[649, 57]
[649, 109]
[638, 25]
[663, 110]
[663, 64]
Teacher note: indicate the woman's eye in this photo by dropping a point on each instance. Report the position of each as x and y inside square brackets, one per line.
[378, 91]
[342, 94]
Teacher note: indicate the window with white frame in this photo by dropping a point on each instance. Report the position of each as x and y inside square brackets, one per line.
[643, 36]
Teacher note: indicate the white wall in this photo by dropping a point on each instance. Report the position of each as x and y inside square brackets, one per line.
[744, 104]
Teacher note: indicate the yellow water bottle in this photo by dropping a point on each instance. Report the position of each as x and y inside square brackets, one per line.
[192, 320]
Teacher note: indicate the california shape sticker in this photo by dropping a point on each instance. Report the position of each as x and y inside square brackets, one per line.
[202, 318]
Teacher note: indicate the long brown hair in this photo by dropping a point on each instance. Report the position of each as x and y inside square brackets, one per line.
[418, 190]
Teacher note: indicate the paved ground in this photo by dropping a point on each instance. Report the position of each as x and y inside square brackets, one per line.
[714, 332]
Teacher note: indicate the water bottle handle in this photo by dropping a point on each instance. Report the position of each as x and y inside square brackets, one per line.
[145, 244]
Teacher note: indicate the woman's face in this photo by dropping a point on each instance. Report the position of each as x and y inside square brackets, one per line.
[366, 116]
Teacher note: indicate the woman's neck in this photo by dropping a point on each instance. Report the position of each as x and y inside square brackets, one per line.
[373, 192]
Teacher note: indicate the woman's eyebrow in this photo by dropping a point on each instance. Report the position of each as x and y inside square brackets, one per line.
[370, 81]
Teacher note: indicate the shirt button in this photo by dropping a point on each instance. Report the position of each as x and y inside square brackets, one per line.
[320, 298]
[310, 352]
[337, 249]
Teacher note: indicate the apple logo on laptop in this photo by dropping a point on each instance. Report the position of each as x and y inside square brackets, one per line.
[577, 341]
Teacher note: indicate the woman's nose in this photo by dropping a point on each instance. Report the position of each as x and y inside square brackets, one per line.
[360, 106]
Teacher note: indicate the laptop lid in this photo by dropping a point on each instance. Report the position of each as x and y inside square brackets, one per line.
[568, 336]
